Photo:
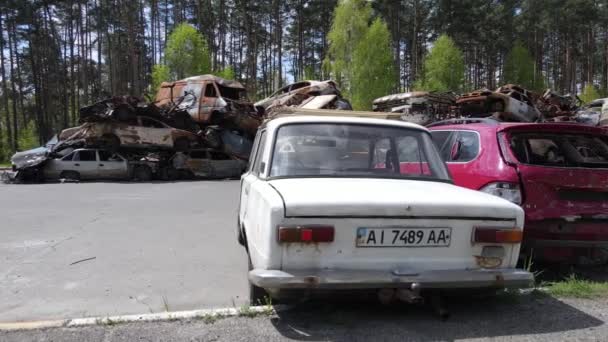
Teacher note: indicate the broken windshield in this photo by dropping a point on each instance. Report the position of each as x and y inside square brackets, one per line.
[352, 150]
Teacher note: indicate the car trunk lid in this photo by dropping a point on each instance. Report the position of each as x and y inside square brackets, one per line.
[563, 170]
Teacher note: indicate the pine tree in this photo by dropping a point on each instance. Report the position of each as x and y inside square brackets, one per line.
[373, 67]
[520, 69]
[443, 67]
[349, 25]
[589, 94]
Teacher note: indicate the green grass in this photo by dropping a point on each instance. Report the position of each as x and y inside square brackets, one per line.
[574, 287]
[2, 164]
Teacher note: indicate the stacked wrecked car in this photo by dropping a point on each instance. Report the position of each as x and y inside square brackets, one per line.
[206, 114]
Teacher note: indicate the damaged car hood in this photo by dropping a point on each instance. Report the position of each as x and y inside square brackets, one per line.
[30, 158]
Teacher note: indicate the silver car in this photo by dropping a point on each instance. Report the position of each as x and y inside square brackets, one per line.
[87, 164]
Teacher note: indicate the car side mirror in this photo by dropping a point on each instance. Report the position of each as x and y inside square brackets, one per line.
[455, 152]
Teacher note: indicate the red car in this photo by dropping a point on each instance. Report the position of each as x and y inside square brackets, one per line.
[557, 172]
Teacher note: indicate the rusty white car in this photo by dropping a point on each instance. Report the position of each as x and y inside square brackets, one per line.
[360, 203]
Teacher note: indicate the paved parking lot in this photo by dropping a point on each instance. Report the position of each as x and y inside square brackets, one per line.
[96, 249]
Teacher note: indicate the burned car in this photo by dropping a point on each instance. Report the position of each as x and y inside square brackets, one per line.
[591, 113]
[215, 101]
[208, 163]
[508, 103]
[140, 132]
[419, 107]
[306, 94]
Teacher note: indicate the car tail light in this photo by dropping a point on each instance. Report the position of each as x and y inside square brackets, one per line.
[505, 150]
[509, 191]
[307, 234]
[497, 235]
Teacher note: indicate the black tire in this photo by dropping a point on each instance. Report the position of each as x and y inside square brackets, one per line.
[70, 175]
[257, 295]
[110, 142]
[181, 144]
[142, 173]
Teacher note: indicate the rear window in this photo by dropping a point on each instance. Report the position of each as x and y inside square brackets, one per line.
[560, 150]
[354, 150]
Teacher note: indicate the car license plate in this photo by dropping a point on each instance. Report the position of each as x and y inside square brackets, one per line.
[403, 237]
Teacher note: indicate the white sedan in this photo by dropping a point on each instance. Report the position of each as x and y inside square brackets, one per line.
[361, 203]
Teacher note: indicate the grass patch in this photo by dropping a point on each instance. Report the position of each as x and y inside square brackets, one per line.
[574, 287]
[3, 165]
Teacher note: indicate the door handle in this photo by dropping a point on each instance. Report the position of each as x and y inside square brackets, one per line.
[76, 164]
[100, 164]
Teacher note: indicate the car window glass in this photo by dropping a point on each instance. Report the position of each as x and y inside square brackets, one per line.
[210, 91]
[468, 149]
[69, 156]
[343, 150]
[109, 156]
[85, 155]
[443, 142]
[254, 151]
[257, 167]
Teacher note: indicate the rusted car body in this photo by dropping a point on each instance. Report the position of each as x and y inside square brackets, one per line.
[508, 103]
[141, 132]
[556, 107]
[306, 94]
[207, 163]
[216, 101]
[419, 107]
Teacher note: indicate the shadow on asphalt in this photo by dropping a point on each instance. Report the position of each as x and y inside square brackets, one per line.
[496, 316]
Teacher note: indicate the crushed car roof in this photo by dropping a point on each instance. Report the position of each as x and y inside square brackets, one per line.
[206, 78]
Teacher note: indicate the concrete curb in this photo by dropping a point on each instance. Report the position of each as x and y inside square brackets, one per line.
[150, 317]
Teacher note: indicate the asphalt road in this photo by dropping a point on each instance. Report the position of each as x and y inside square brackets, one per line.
[98, 249]
[526, 318]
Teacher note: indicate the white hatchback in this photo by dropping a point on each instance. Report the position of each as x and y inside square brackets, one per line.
[360, 203]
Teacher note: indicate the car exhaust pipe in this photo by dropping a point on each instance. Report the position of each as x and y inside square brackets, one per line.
[409, 296]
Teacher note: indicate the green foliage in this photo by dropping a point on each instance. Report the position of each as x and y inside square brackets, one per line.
[349, 25]
[374, 72]
[578, 288]
[589, 94]
[227, 73]
[160, 74]
[187, 53]
[443, 67]
[28, 137]
[520, 69]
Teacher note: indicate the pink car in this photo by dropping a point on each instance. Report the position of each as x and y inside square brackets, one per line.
[557, 172]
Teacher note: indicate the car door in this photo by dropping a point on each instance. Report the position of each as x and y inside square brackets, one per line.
[153, 132]
[54, 167]
[85, 162]
[460, 149]
[209, 102]
[251, 175]
[112, 165]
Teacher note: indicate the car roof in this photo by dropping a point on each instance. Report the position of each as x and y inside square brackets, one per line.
[337, 116]
[522, 126]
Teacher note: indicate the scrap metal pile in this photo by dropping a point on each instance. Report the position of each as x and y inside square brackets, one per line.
[204, 114]
[510, 103]
[202, 125]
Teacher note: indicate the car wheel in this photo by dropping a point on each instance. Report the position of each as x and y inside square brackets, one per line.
[181, 144]
[110, 142]
[70, 175]
[257, 295]
[142, 173]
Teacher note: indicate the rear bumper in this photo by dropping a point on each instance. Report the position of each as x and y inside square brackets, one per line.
[544, 243]
[368, 279]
